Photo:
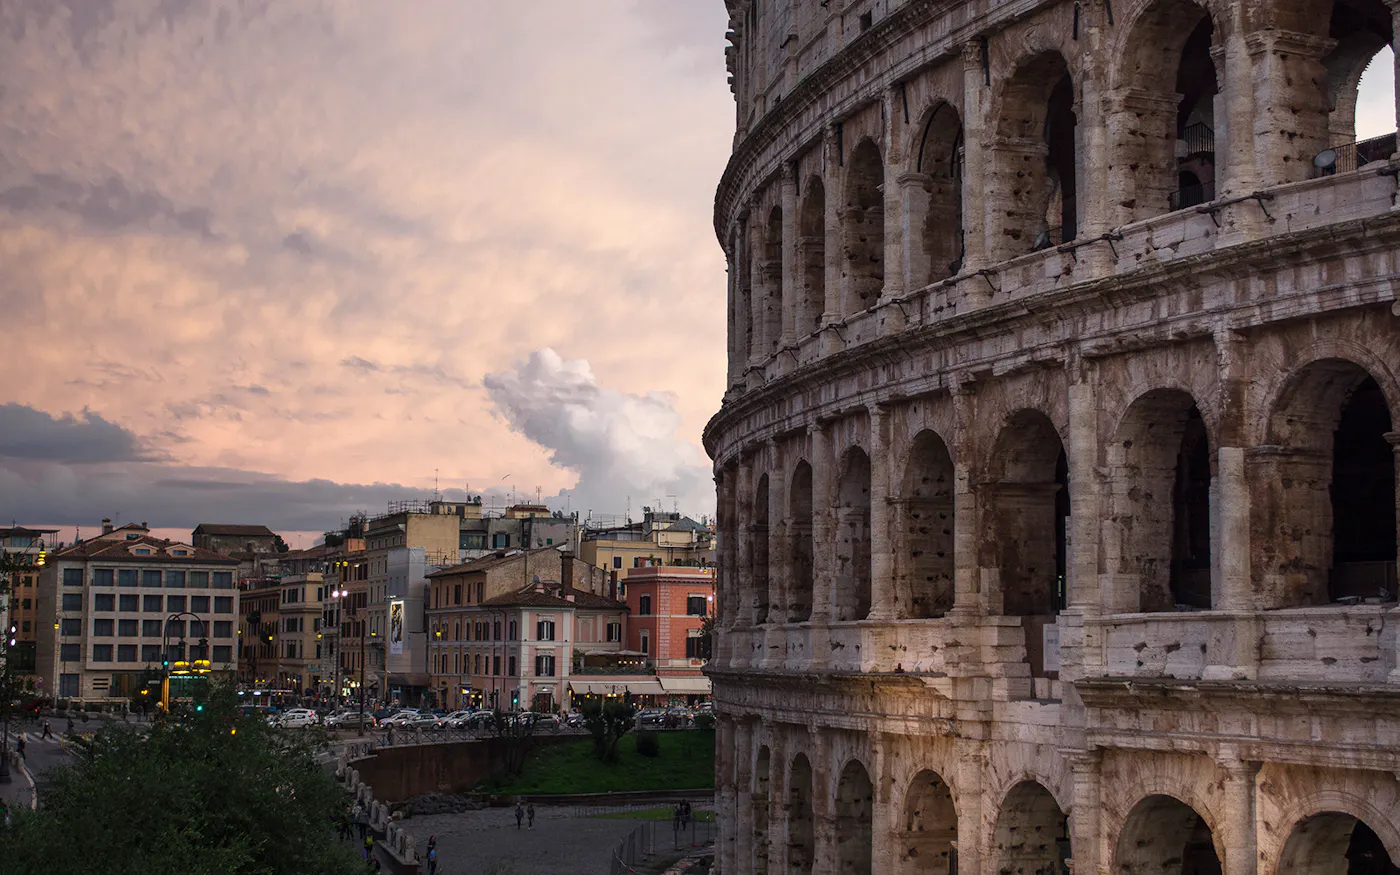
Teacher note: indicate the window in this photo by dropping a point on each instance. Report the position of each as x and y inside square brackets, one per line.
[175, 579]
[102, 577]
[179, 552]
[70, 652]
[74, 577]
[544, 630]
[26, 604]
[291, 650]
[617, 562]
[223, 653]
[101, 653]
[695, 648]
[199, 580]
[477, 662]
[150, 653]
[223, 628]
[496, 629]
[175, 629]
[495, 665]
[25, 628]
[126, 577]
[151, 604]
[514, 631]
[150, 577]
[126, 628]
[549, 542]
[512, 665]
[129, 603]
[544, 665]
[223, 580]
[223, 604]
[72, 601]
[174, 603]
[68, 685]
[126, 653]
[644, 605]
[456, 593]
[104, 602]
[71, 626]
[473, 540]
[614, 631]
[646, 642]
[150, 628]
[500, 540]
[695, 606]
[199, 604]
[480, 588]
[199, 651]
[103, 628]
[638, 562]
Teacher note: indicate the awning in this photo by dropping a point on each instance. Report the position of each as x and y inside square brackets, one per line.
[686, 686]
[635, 686]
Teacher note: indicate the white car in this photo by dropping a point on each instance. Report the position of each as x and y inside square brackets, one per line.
[295, 717]
[456, 720]
[403, 718]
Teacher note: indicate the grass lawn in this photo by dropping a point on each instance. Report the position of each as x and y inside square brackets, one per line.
[664, 812]
[686, 762]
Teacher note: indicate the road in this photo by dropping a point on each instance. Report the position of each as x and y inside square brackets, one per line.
[41, 756]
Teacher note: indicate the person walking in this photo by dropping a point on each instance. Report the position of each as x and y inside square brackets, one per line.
[369, 847]
[48, 730]
[519, 814]
[432, 861]
[20, 746]
[530, 814]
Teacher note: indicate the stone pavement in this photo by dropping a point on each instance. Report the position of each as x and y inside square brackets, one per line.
[41, 756]
[562, 843]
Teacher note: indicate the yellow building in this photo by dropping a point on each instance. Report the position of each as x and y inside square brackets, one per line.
[660, 539]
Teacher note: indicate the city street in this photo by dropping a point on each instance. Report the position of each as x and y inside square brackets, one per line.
[41, 757]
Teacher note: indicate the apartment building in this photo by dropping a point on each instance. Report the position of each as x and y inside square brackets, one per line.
[110, 608]
[30, 548]
[667, 609]
[661, 538]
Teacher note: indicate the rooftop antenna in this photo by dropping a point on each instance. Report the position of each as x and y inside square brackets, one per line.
[537, 494]
[675, 505]
[435, 483]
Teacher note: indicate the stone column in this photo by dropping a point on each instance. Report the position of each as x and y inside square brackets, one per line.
[743, 527]
[732, 374]
[1137, 191]
[1083, 450]
[892, 319]
[759, 342]
[966, 586]
[779, 803]
[740, 826]
[1395, 69]
[1237, 832]
[1290, 102]
[833, 179]
[779, 552]
[1393, 438]
[1234, 109]
[823, 534]
[1085, 836]
[882, 595]
[724, 793]
[976, 175]
[788, 192]
[884, 818]
[970, 763]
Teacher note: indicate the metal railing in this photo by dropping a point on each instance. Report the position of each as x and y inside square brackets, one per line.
[1191, 196]
[1349, 156]
[658, 837]
[1198, 138]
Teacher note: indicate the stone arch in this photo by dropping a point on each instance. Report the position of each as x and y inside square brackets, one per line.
[761, 802]
[800, 556]
[1164, 836]
[801, 835]
[851, 598]
[863, 228]
[760, 572]
[1335, 843]
[1032, 831]
[854, 809]
[1163, 107]
[1159, 461]
[1330, 818]
[1359, 29]
[811, 257]
[1324, 516]
[932, 195]
[927, 833]
[923, 568]
[1034, 184]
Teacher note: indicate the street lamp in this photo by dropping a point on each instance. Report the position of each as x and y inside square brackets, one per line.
[180, 667]
[335, 596]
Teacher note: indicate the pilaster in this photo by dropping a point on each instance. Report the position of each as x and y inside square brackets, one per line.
[1238, 830]
[788, 194]
[823, 534]
[976, 172]
[882, 598]
[743, 527]
[892, 319]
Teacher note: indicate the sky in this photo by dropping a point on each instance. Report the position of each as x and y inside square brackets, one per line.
[280, 262]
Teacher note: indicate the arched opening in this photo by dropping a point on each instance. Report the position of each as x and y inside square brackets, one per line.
[1333, 843]
[1025, 521]
[939, 165]
[773, 282]
[1325, 525]
[1165, 112]
[1160, 457]
[761, 802]
[1032, 833]
[1035, 186]
[1362, 30]
[1164, 836]
[863, 229]
[929, 830]
[923, 567]
[851, 600]
[759, 572]
[812, 258]
[800, 836]
[799, 602]
[855, 800]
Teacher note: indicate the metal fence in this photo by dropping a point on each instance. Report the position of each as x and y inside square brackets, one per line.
[1349, 156]
[658, 837]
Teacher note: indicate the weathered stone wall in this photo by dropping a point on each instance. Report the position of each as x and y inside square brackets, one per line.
[1056, 491]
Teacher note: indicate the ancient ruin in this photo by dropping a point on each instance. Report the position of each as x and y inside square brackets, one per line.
[1057, 466]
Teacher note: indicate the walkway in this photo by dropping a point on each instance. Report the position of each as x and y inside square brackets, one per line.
[41, 757]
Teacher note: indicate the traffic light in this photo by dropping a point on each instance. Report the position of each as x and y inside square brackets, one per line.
[514, 700]
[199, 707]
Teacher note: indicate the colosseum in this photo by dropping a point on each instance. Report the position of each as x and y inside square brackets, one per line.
[1057, 466]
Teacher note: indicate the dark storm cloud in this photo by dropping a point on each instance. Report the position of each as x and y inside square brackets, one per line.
[109, 205]
[26, 433]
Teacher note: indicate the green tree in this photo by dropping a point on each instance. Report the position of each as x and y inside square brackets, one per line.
[280, 545]
[209, 792]
[513, 739]
[608, 720]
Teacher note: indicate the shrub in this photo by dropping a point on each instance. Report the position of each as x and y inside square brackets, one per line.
[648, 743]
[704, 721]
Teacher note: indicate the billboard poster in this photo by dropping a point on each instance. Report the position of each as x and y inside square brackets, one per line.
[396, 627]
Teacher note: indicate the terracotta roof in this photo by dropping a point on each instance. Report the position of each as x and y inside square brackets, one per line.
[486, 563]
[235, 530]
[120, 551]
[532, 597]
[592, 600]
[19, 531]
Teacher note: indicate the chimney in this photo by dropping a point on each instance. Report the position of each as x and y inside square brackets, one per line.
[566, 573]
[106, 525]
[612, 585]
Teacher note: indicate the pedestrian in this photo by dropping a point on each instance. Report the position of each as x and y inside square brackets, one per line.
[519, 814]
[676, 818]
[70, 724]
[20, 745]
[363, 821]
[530, 814]
[432, 843]
[369, 847]
[432, 861]
[685, 814]
[48, 730]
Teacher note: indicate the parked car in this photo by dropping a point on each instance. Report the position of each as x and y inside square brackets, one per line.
[401, 719]
[456, 720]
[295, 717]
[425, 720]
[574, 720]
[350, 720]
[651, 717]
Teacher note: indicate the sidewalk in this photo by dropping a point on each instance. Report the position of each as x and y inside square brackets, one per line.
[18, 792]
